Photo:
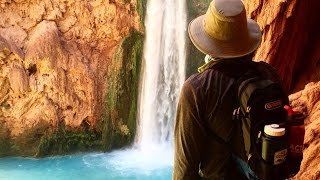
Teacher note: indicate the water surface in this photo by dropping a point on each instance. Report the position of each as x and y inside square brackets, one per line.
[155, 164]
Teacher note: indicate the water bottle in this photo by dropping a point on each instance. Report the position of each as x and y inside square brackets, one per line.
[274, 151]
[274, 144]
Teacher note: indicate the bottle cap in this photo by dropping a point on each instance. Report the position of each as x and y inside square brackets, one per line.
[274, 130]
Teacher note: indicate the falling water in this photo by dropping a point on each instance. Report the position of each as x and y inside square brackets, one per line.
[163, 71]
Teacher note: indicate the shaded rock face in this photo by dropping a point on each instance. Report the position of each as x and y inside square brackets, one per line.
[54, 57]
[291, 37]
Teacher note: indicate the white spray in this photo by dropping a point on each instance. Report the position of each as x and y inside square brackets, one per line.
[163, 72]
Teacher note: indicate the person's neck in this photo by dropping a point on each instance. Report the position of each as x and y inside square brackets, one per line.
[215, 59]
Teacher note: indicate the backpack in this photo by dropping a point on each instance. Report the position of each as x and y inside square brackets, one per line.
[260, 102]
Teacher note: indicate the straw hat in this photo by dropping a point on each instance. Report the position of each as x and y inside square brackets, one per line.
[224, 31]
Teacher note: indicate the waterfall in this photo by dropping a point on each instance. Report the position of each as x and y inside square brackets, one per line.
[163, 71]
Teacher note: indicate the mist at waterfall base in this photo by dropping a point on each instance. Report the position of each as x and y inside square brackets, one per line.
[151, 157]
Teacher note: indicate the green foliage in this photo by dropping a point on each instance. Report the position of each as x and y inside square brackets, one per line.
[5, 140]
[122, 93]
[41, 140]
[66, 141]
[23, 145]
[194, 56]
[26, 143]
[141, 8]
[196, 8]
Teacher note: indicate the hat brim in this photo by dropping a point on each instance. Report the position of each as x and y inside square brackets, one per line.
[224, 49]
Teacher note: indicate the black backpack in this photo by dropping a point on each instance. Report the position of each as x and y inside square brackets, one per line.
[261, 100]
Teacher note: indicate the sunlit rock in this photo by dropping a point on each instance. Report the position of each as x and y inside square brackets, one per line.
[54, 57]
[18, 78]
[308, 102]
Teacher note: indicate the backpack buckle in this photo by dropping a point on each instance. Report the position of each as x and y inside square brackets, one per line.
[236, 115]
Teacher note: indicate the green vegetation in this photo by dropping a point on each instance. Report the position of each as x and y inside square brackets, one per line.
[141, 8]
[121, 98]
[25, 144]
[5, 141]
[41, 141]
[64, 141]
[194, 56]
[196, 8]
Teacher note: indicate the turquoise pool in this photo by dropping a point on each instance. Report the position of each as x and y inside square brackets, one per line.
[118, 165]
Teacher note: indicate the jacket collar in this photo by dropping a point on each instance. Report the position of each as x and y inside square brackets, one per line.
[208, 64]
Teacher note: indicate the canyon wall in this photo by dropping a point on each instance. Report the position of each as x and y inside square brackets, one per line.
[57, 61]
[290, 42]
[307, 101]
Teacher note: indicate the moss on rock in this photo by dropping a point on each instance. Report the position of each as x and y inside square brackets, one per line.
[64, 141]
[194, 56]
[122, 93]
[41, 140]
[141, 8]
[24, 144]
[5, 140]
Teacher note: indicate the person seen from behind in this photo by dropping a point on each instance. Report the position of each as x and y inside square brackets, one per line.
[207, 99]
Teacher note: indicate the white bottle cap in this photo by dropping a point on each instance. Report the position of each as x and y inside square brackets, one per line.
[274, 130]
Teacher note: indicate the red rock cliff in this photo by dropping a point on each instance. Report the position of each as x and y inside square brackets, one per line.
[291, 38]
[54, 57]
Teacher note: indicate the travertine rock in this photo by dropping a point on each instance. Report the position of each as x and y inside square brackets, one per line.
[7, 46]
[290, 38]
[54, 56]
[308, 102]
[18, 79]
